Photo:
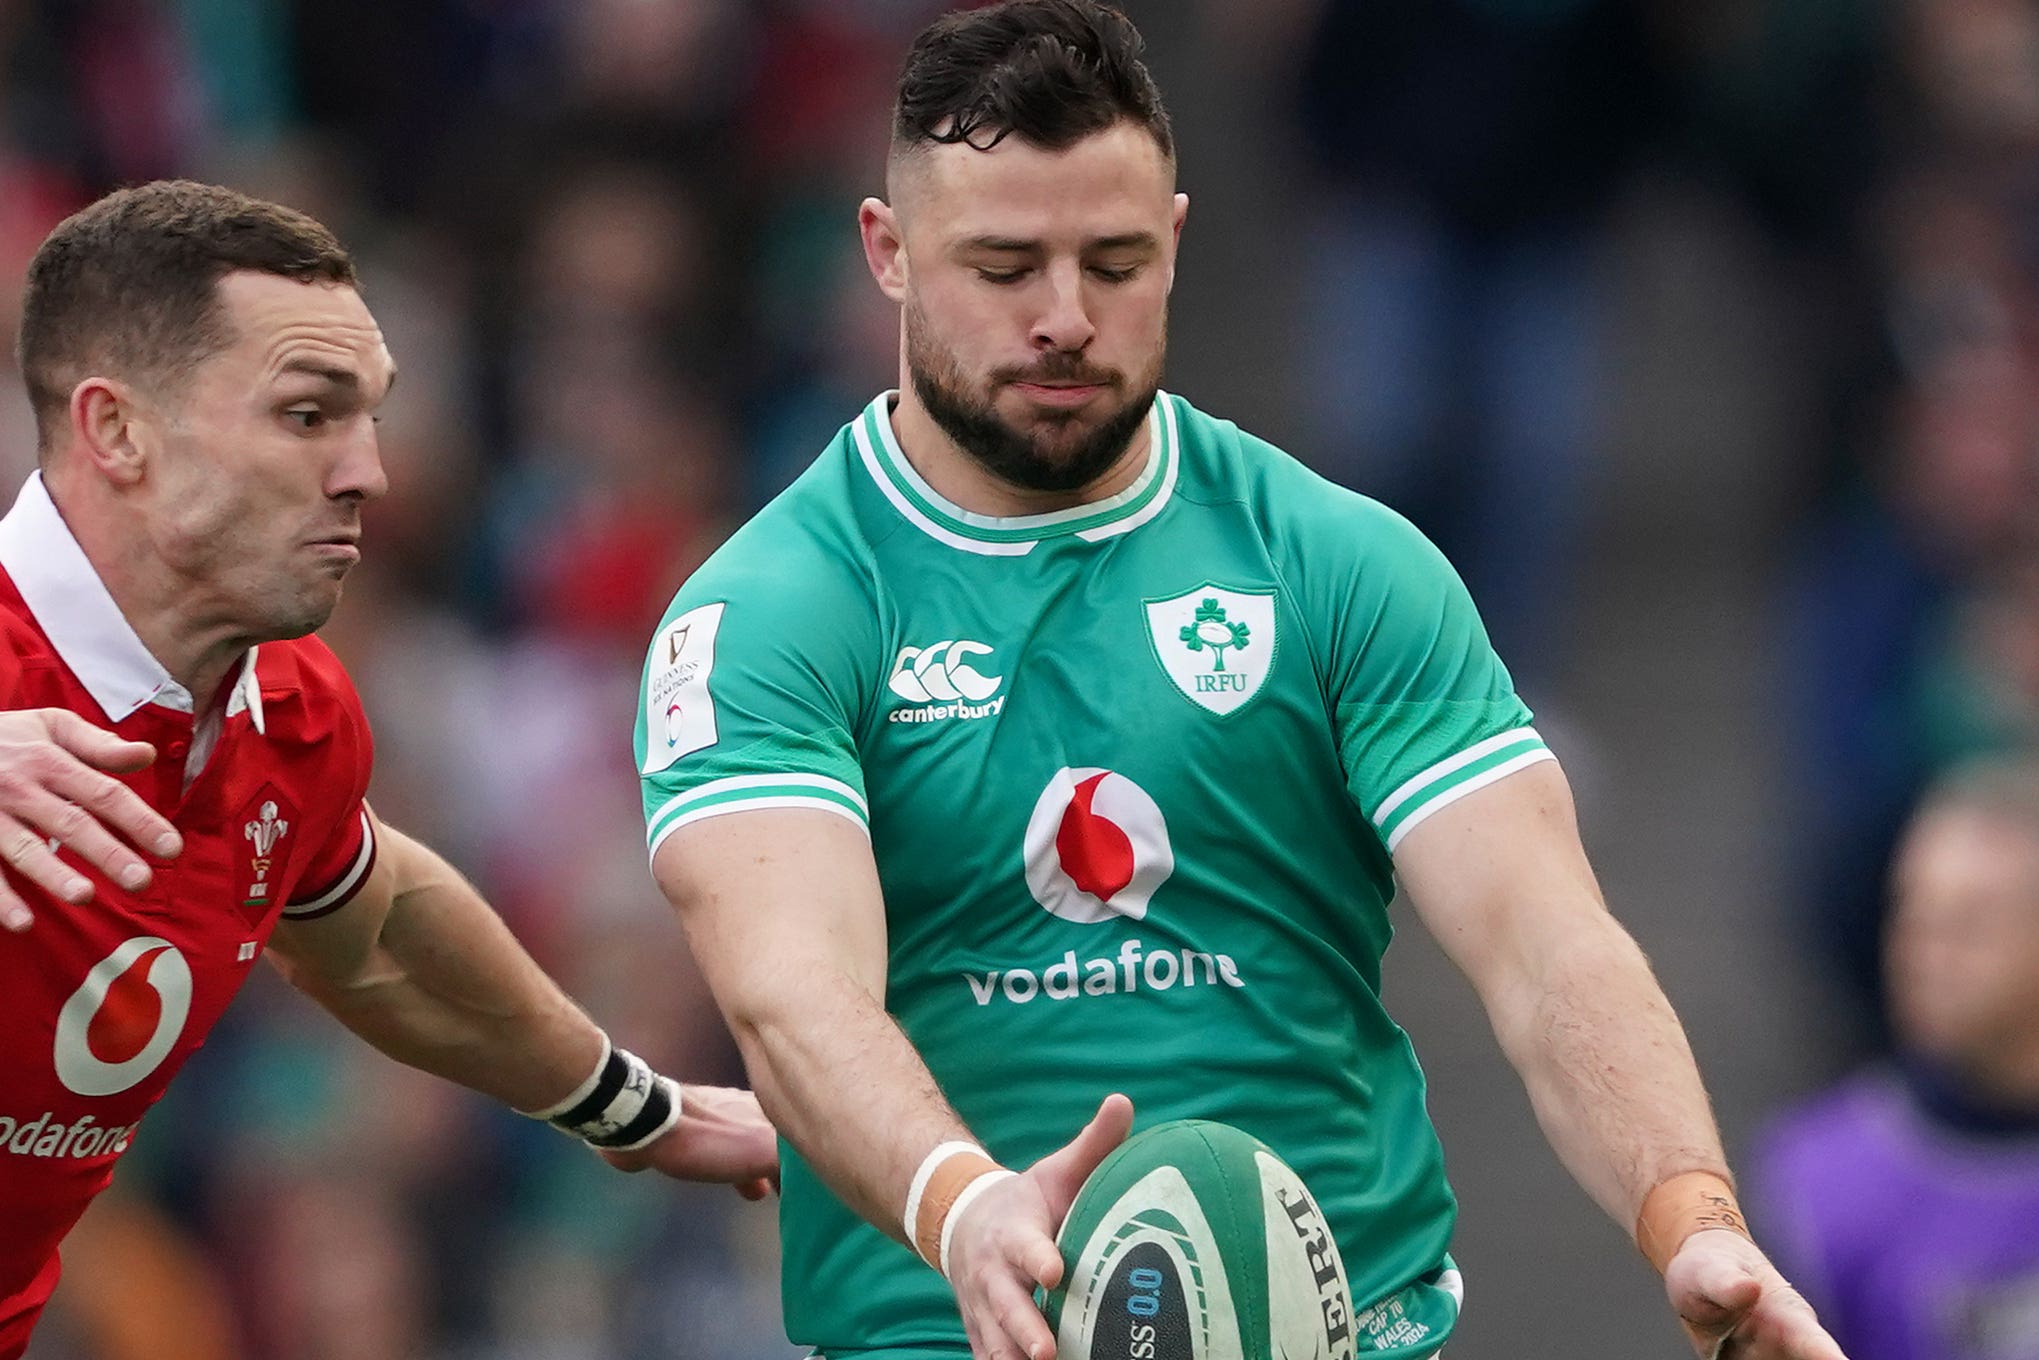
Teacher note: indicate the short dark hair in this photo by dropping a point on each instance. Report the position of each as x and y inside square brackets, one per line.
[1050, 71]
[130, 285]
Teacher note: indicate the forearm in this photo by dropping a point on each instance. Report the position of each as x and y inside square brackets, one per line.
[1608, 1069]
[845, 1086]
[445, 988]
[784, 913]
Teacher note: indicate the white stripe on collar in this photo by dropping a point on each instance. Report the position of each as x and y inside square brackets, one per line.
[81, 620]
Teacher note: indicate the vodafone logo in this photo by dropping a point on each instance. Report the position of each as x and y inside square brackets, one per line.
[1096, 847]
[124, 1018]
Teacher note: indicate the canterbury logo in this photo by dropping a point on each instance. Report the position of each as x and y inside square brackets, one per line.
[943, 673]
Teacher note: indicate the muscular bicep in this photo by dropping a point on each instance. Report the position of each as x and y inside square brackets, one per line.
[776, 901]
[1500, 879]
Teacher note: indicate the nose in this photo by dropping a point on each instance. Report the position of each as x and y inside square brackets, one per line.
[359, 473]
[1064, 322]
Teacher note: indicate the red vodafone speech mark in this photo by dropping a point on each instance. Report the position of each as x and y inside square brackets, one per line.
[1096, 853]
[129, 1016]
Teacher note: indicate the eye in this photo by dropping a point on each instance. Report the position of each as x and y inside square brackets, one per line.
[1111, 275]
[1001, 275]
[305, 417]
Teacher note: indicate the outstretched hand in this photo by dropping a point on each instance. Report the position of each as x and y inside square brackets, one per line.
[722, 1135]
[1735, 1305]
[54, 791]
[1003, 1244]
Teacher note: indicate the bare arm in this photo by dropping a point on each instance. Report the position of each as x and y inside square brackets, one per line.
[783, 911]
[1501, 880]
[421, 967]
[785, 915]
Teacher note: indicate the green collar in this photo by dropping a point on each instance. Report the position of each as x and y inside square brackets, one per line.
[1016, 536]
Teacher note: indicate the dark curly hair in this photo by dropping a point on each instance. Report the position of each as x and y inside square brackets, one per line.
[1051, 72]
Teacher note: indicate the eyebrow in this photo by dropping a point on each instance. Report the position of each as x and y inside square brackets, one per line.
[1142, 240]
[339, 377]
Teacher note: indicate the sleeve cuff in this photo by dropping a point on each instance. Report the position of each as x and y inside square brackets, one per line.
[343, 889]
[1451, 779]
[746, 793]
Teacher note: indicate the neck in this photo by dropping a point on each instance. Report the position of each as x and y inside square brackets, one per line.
[166, 611]
[961, 479]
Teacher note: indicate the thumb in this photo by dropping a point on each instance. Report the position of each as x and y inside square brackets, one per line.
[1062, 1173]
[95, 745]
[1720, 1295]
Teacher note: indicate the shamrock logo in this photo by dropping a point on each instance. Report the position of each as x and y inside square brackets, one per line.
[1211, 630]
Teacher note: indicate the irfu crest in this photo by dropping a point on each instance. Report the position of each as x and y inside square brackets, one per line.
[1211, 629]
[1215, 643]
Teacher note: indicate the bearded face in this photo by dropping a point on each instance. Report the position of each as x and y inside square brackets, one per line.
[1032, 444]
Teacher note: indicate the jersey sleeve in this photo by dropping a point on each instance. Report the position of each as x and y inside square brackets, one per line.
[342, 863]
[751, 696]
[1425, 713]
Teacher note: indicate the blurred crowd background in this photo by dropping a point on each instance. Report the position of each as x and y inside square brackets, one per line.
[1700, 332]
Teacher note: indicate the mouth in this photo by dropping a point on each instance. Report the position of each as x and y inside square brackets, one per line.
[343, 546]
[1059, 394]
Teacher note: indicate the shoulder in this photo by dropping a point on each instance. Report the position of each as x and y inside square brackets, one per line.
[1305, 517]
[307, 693]
[803, 562]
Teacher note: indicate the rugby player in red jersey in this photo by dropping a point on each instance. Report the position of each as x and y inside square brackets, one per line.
[183, 768]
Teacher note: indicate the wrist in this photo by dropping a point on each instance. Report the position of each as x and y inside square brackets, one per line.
[949, 1179]
[1682, 1205]
[621, 1106]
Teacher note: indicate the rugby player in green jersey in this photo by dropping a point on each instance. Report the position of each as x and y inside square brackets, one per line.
[1049, 738]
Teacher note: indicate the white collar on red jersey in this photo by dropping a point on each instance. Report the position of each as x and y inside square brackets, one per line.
[75, 611]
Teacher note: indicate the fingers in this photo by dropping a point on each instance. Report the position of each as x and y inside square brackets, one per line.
[28, 853]
[77, 829]
[1061, 1174]
[95, 745]
[1737, 1306]
[51, 792]
[14, 913]
[1004, 1323]
[1783, 1327]
[119, 808]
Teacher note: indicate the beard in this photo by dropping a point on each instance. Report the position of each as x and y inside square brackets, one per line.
[1032, 462]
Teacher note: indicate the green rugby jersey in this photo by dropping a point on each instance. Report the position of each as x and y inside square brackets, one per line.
[1132, 773]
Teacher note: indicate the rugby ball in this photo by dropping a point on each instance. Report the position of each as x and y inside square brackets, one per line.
[1194, 1241]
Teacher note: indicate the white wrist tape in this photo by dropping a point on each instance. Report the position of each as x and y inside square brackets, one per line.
[580, 1092]
[950, 1176]
[963, 1201]
[942, 1152]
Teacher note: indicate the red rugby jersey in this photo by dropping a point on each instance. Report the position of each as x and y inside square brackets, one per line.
[105, 1002]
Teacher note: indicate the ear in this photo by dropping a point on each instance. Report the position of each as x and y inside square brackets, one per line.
[1180, 215]
[109, 430]
[884, 247]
